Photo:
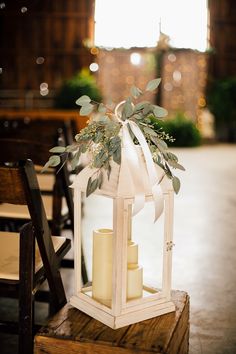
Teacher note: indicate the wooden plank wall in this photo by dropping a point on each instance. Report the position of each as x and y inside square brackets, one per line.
[222, 34]
[43, 41]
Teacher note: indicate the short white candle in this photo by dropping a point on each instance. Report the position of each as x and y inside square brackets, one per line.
[134, 281]
[132, 254]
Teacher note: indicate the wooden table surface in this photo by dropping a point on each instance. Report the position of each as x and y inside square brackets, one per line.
[71, 331]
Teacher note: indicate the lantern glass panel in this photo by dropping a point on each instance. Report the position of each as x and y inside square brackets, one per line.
[149, 237]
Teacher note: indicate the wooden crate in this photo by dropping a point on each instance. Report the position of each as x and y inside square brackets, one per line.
[71, 331]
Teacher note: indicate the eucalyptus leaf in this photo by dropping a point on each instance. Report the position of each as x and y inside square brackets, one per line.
[100, 158]
[45, 167]
[100, 179]
[127, 109]
[115, 143]
[75, 159]
[159, 163]
[147, 108]
[153, 84]
[91, 186]
[162, 144]
[58, 149]
[172, 156]
[94, 185]
[98, 137]
[139, 106]
[173, 163]
[54, 160]
[176, 184]
[104, 119]
[71, 148]
[88, 187]
[102, 108]
[149, 131]
[117, 155]
[83, 100]
[135, 91]
[148, 120]
[180, 167]
[83, 148]
[77, 137]
[168, 171]
[159, 112]
[137, 116]
[131, 132]
[108, 170]
[86, 109]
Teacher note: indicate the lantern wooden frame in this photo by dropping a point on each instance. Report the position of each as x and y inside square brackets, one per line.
[123, 312]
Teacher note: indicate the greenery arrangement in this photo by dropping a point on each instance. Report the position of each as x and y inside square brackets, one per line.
[101, 138]
[80, 84]
[183, 129]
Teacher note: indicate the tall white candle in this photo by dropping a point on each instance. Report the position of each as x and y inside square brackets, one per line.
[102, 266]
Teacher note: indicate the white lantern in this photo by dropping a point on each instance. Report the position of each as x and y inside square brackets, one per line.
[118, 296]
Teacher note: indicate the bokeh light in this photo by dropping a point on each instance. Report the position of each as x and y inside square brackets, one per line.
[135, 58]
[93, 67]
[40, 60]
[24, 9]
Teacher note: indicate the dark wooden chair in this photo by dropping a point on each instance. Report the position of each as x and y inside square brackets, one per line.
[34, 140]
[59, 203]
[46, 130]
[29, 257]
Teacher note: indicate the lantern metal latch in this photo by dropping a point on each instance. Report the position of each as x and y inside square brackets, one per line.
[169, 246]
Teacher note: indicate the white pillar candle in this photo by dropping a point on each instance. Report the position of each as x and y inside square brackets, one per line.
[102, 266]
[132, 254]
[134, 281]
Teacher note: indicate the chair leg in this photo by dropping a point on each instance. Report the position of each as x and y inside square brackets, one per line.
[26, 299]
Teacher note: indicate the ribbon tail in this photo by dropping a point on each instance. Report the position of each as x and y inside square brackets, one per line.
[153, 178]
[158, 201]
[134, 171]
[139, 201]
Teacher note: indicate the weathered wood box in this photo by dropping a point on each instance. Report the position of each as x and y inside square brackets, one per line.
[71, 331]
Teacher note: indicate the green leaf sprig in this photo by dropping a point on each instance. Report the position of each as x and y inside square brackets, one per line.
[101, 137]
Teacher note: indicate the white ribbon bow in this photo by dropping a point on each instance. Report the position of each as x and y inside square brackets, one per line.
[135, 170]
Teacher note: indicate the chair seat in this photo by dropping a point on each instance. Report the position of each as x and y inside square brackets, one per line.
[46, 181]
[9, 254]
[21, 211]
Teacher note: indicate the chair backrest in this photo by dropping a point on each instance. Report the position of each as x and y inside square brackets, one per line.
[38, 152]
[19, 185]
